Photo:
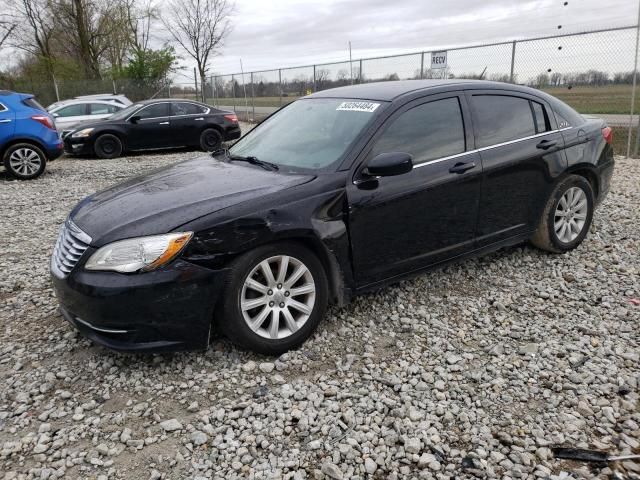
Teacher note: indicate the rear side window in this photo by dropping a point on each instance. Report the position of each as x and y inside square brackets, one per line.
[502, 118]
[102, 109]
[187, 109]
[541, 118]
[426, 132]
[33, 103]
[2, 108]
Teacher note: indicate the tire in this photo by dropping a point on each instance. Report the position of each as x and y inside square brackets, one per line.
[107, 146]
[294, 326]
[210, 140]
[24, 161]
[555, 233]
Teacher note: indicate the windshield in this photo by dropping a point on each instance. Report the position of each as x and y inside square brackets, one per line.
[125, 112]
[310, 133]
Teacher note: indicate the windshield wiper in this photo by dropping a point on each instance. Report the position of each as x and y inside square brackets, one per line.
[254, 161]
[249, 159]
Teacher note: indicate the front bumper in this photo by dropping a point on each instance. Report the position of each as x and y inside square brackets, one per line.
[169, 309]
[78, 146]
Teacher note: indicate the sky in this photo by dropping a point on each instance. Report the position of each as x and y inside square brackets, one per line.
[279, 33]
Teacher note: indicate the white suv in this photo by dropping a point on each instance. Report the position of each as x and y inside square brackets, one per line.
[73, 113]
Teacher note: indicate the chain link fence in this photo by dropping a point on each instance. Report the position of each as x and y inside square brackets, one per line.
[595, 72]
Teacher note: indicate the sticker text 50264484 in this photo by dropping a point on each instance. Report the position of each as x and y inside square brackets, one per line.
[358, 106]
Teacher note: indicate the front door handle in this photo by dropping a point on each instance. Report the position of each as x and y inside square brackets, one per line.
[164, 123]
[6, 120]
[546, 144]
[462, 167]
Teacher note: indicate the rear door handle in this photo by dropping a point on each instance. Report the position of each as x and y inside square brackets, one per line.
[546, 144]
[164, 123]
[199, 119]
[462, 167]
[6, 120]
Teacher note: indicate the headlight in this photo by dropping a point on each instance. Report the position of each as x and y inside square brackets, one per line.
[143, 253]
[85, 132]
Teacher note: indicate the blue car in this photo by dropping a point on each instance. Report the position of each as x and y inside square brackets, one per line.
[28, 136]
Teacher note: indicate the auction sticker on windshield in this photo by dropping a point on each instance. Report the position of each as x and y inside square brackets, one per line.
[358, 106]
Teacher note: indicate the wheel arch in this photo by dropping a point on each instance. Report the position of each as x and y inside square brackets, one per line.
[15, 141]
[589, 172]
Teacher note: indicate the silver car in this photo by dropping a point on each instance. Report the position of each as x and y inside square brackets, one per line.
[73, 113]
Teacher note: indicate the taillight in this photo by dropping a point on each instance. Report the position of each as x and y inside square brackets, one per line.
[607, 133]
[232, 118]
[44, 120]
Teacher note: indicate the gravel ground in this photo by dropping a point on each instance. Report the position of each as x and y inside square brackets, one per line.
[473, 371]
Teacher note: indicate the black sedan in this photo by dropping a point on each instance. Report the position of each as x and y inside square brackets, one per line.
[338, 193]
[154, 124]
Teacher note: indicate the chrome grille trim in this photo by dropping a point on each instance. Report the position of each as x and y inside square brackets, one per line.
[70, 246]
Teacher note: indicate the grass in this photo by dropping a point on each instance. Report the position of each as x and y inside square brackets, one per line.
[606, 99]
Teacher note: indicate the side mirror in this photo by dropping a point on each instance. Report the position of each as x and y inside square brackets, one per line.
[135, 119]
[389, 164]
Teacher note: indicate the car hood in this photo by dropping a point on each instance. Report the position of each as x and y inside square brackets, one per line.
[164, 199]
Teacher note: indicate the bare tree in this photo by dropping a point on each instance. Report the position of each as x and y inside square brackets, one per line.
[199, 27]
[7, 26]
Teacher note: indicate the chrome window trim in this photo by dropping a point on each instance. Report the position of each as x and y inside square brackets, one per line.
[489, 147]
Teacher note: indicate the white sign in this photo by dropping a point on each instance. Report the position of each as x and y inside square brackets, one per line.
[438, 60]
[358, 106]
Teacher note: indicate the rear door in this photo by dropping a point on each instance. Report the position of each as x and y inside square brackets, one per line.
[7, 124]
[407, 222]
[152, 129]
[187, 122]
[522, 153]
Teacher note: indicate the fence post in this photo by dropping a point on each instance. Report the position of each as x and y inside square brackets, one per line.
[360, 76]
[253, 100]
[422, 65]
[314, 78]
[633, 92]
[280, 84]
[233, 91]
[513, 60]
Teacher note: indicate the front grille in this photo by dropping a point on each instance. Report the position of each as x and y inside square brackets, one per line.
[71, 245]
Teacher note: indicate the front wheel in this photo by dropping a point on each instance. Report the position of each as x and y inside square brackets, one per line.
[274, 298]
[107, 146]
[24, 161]
[567, 216]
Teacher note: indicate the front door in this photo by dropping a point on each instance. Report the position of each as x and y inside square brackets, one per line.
[407, 222]
[152, 129]
[522, 153]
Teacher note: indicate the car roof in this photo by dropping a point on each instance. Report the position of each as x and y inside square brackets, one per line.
[388, 91]
[187, 100]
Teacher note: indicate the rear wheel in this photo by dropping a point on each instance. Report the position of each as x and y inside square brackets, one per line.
[107, 146]
[274, 298]
[24, 161]
[567, 216]
[210, 140]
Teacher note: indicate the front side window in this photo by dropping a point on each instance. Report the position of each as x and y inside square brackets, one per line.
[502, 118]
[72, 110]
[184, 108]
[2, 108]
[154, 111]
[426, 132]
[102, 109]
[311, 133]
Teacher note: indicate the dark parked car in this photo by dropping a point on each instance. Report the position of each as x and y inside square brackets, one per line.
[337, 193]
[154, 124]
[28, 135]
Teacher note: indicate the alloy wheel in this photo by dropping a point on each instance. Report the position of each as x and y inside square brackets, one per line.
[278, 297]
[571, 214]
[25, 161]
